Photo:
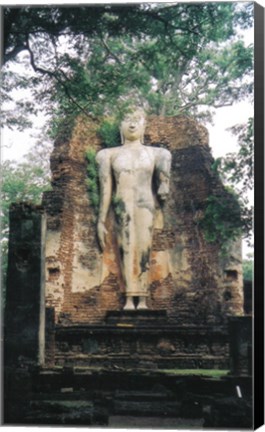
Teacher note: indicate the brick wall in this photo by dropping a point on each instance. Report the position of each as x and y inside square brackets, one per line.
[188, 277]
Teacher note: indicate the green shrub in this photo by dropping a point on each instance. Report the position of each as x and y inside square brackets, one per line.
[222, 219]
[109, 133]
[248, 269]
[92, 180]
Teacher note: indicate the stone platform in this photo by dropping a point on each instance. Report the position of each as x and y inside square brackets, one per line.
[123, 369]
[87, 397]
[140, 340]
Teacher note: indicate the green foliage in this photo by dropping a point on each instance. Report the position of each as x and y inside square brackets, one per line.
[236, 170]
[92, 179]
[216, 165]
[92, 182]
[221, 222]
[248, 269]
[109, 132]
[60, 126]
[177, 59]
[15, 114]
[21, 182]
[238, 167]
[211, 373]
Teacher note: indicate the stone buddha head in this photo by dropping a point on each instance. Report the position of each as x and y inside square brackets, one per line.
[132, 126]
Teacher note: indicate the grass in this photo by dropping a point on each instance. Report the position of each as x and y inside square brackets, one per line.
[208, 373]
[211, 373]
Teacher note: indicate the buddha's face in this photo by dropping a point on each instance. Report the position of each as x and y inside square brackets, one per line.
[133, 126]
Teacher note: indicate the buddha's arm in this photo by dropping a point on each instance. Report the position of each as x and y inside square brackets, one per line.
[163, 167]
[105, 182]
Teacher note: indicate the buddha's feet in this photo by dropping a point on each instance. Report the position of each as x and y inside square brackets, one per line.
[142, 303]
[129, 305]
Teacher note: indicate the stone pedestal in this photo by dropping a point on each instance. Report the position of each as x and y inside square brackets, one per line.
[137, 317]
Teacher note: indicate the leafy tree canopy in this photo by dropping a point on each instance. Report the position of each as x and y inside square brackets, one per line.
[176, 58]
[24, 181]
[248, 265]
[236, 170]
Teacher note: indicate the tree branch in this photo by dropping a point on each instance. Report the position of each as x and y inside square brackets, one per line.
[57, 78]
[167, 24]
[109, 50]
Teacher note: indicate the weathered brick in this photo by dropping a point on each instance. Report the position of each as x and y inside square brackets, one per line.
[188, 277]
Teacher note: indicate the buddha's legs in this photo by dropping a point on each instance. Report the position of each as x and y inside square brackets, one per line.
[135, 238]
[126, 242]
[145, 219]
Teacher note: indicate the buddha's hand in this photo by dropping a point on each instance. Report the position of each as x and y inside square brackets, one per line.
[101, 234]
[163, 191]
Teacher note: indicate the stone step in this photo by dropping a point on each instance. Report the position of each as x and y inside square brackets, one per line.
[45, 418]
[146, 408]
[152, 422]
[56, 412]
[61, 405]
[143, 396]
[116, 361]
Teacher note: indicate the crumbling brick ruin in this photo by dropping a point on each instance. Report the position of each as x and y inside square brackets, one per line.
[189, 277]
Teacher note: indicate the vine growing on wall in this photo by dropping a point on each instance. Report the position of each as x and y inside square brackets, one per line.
[221, 222]
[92, 180]
[109, 133]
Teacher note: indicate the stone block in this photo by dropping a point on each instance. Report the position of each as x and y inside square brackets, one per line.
[240, 342]
[24, 323]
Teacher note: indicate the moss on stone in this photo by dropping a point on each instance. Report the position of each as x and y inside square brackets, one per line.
[118, 207]
[92, 180]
